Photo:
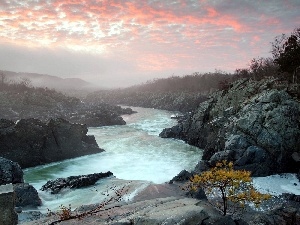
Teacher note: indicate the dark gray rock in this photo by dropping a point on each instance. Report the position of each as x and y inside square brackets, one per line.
[72, 182]
[31, 142]
[198, 194]
[225, 220]
[28, 216]
[236, 142]
[10, 172]
[26, 195]
[8, 216]
[201, 166]
[184, 175]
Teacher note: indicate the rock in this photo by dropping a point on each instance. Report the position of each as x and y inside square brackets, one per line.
[285, 214]
[56, 185]
[10, 172]
[96, 115]
[26, 195]
[255, 124]
[30, 216]
[236, 142]
[31, 142]
[8, 216]
[171, 211]
[198, 194]
[18, 209]
[226, 220]
[201, 166]
[184, 175]
[296, 156]
[291, 197]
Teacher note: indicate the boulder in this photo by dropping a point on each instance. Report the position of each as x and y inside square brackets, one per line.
[26, 195]
[8, 216]
[183, 176]
[10, 172]
[31, 142]
[72, 182]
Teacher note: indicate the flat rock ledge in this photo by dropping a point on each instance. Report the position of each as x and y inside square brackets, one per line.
[158, 204]
[168, 211]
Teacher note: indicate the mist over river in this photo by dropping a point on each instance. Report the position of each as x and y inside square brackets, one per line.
[132, 152]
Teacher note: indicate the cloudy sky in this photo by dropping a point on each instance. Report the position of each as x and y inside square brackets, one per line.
[124, 42]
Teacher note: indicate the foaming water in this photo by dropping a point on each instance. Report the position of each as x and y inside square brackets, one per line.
[132, 152]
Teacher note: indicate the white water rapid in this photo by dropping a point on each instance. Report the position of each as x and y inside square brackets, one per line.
[132, 152]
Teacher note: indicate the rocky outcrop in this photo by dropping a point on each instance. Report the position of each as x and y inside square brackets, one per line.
[72, 182]
[97, 115]
[31, 142]
[287, 213]
[255, 124]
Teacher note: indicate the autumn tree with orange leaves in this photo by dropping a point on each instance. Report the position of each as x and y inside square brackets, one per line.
[234, 185]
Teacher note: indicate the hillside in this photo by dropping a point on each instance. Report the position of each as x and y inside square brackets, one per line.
[174, 93]
[67, 85]
[21, 101]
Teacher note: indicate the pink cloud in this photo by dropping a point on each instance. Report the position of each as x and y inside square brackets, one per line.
[159, 34]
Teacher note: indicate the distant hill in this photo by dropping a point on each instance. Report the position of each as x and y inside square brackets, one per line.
[174, 93]
[53, 82]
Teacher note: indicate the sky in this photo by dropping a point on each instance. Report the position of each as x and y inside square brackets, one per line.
[116, 43]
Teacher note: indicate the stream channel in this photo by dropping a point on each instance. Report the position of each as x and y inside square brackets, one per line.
[132, 152]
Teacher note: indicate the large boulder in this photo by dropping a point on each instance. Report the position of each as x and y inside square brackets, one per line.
[10, 172]
[255, 124]
[31, 142]
[26, 195]
[8, 216]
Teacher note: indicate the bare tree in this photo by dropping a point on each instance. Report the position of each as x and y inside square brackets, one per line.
[2, 79]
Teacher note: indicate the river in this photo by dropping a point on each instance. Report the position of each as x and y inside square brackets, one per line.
[132, 152]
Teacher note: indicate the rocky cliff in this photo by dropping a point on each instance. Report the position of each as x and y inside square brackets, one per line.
[31, 142]
[255, 124]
